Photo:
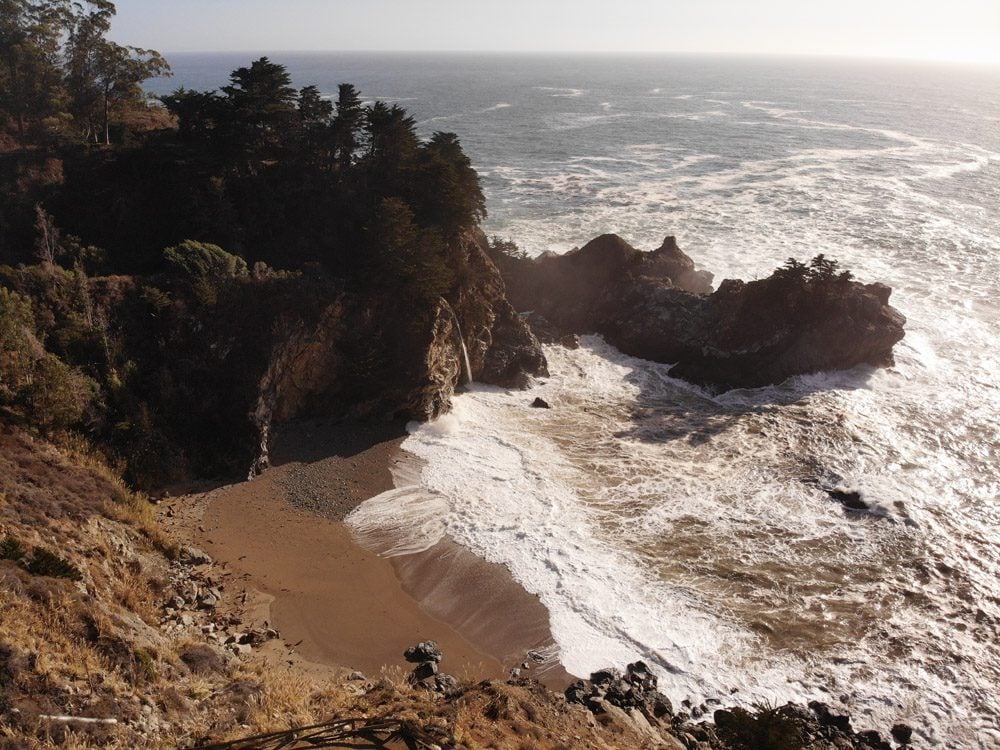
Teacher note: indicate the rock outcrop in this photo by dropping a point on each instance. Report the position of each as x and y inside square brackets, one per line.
[744, 335]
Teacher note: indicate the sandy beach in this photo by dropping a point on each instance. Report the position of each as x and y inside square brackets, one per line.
[289, 559]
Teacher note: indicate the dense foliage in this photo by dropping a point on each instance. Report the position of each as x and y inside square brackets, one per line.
[148, 250]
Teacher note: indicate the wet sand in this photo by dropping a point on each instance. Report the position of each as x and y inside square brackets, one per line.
[281, 541]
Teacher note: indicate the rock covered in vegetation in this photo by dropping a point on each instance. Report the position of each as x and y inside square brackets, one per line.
[763, 332]
[383, 302]
[802, 319]
[193, 368]
[373, 356]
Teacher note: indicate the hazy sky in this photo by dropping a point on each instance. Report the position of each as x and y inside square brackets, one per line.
[941, 29]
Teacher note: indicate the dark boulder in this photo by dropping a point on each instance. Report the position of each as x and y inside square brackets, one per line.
[850, 499]
[424, 671]
[792, 726]
[445, 683]
[636, 689]
[423, 652]
[638, 674]
[577, 692]
[829, 719]
[605, 677]
[902, 733]
[872, 739]
[540, 403]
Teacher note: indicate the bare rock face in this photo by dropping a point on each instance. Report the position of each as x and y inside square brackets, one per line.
[669, 261]
[303, 362]
[501, 346]
[440, 369]
[658, 306]
[360, 358]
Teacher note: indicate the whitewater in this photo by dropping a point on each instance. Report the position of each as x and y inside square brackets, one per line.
[657, 521]
[694, 531]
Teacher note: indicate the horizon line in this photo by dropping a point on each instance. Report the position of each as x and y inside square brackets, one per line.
[598, 53]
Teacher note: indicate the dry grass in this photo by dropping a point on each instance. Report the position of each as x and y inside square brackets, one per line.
[91, 648]
[123, 503]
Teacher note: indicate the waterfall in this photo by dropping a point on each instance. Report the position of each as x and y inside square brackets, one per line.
[461, 340]
[465, 352]
[465, 358]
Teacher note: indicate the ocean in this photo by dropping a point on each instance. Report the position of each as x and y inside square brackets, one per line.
[657, 521]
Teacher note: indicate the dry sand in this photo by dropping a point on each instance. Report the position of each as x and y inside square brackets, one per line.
[281, 540]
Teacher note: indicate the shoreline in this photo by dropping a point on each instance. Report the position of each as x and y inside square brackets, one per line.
[291, 562]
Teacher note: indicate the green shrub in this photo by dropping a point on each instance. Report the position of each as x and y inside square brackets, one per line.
[11, 549]
[145, 664]
[46, 563]
[19, 349]
[58, 395]
[202, 260]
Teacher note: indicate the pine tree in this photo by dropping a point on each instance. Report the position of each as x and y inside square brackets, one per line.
[347, 124]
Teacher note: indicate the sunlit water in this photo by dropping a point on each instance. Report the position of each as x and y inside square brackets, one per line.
[658, 522]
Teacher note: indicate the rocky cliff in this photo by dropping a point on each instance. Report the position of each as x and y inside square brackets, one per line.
[378, 357]
[657, 306]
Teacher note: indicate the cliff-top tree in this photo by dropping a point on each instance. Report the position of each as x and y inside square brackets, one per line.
[30, 75]
[262, 107]
[57, 67]
[102, 76]
[347, 124]
[315, 113]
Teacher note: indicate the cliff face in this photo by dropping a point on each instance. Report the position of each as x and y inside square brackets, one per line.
[659, 307]
[502, 348]
[376, 357]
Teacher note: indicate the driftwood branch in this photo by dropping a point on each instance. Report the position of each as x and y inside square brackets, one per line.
[76, 719]
[345, 733]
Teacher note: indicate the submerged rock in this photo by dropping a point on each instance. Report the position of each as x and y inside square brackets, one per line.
[850, 499]
[744, 335]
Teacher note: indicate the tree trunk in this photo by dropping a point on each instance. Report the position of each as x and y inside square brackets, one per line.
[107, 126]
